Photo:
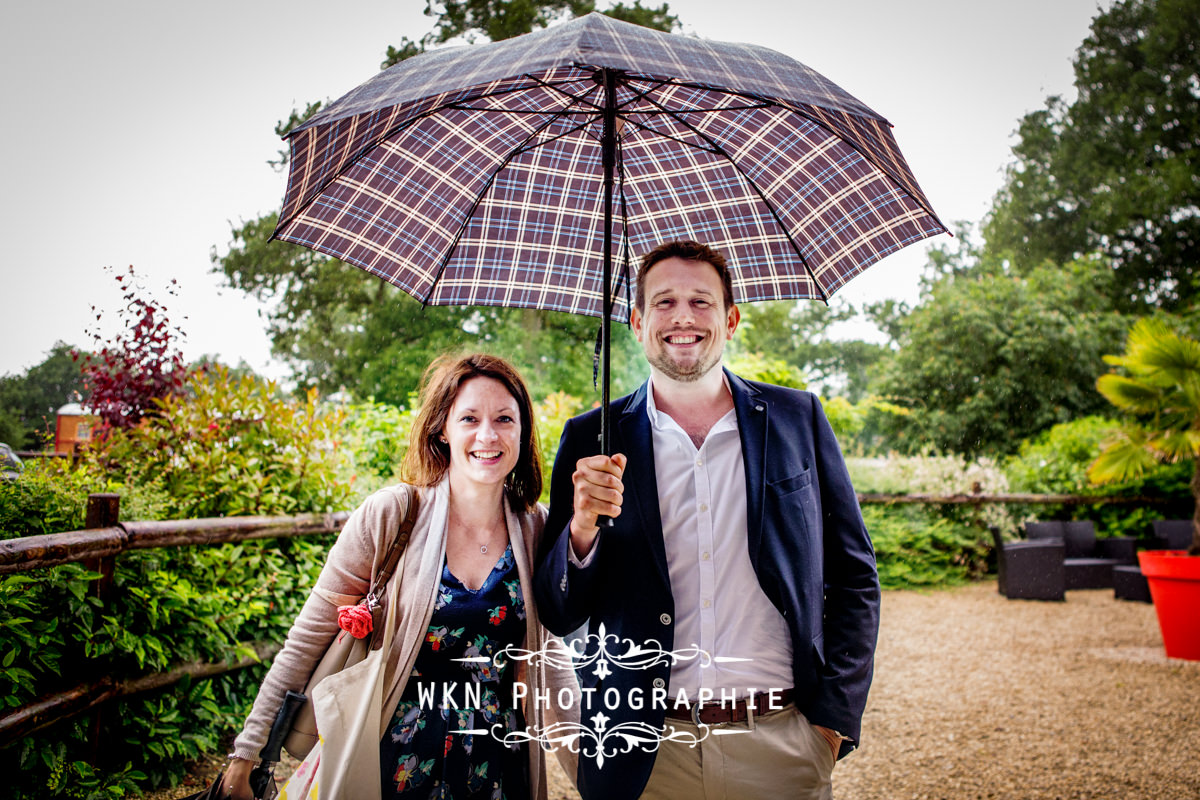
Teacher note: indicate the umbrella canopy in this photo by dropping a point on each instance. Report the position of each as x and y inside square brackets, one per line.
[514, 173]
[473, 175]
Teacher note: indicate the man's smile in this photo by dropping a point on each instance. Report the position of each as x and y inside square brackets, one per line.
[682, 338]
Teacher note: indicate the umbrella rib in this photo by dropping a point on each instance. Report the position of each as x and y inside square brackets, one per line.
[624, 232]
[551, 86]
[526, 147]
[677, 139]
[718, 150]
[645, 94]
[583, 98]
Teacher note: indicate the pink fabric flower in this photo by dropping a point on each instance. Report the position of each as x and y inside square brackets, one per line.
[355, 620]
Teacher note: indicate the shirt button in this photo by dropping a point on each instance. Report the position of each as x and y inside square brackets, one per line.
[704, 506]
[665, 619]
[699, 462]
[659, 683]
[705, 556]
[707, 603]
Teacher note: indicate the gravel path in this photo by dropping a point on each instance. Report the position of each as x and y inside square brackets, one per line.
[976, 696]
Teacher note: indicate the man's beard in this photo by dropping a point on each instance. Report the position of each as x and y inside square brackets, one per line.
[689, 373]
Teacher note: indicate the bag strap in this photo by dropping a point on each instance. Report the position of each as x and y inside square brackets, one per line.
[399, 543]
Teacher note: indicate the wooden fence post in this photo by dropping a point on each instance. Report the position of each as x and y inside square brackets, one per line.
[103, 511]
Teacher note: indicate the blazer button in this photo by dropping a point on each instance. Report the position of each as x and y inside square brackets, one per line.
[659, 683]
[665, 619]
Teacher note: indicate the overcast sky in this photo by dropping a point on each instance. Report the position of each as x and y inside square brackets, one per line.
[138, 132]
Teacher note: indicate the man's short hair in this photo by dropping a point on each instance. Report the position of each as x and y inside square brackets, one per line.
[688, 251]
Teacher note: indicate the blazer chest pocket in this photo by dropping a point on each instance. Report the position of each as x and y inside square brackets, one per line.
[792, 483]
[792, 505]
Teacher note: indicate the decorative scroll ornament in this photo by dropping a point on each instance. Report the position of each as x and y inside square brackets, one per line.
[599, 742]
[642, 656]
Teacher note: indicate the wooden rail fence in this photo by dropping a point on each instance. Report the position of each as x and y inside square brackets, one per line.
[97, 548]
[106, 537]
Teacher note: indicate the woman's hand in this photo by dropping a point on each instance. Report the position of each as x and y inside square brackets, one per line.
[237, 780]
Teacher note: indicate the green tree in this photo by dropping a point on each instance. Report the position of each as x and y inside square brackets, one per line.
[556, 352]
[800, 333]
[989, 360]
[1115, 170]
[1157, 383]
[337, 326]
[28, 402]
[494, 20]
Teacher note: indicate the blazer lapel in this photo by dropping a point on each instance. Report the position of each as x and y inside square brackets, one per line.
[752, 412]
[641, 487]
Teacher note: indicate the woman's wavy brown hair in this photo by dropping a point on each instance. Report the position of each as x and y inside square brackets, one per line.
[428, 457]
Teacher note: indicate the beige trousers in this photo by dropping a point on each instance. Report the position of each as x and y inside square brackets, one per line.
[780, 755]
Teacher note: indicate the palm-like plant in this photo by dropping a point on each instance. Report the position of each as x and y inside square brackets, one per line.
[1160, 388]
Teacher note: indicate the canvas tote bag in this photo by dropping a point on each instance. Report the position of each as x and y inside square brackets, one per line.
[349, 707]
[345, 650]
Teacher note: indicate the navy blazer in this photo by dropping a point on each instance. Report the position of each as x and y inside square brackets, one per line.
[808, 545]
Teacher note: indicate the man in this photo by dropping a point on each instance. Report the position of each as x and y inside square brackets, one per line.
[736, 547]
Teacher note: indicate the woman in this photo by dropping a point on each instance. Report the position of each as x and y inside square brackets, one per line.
[465, 591]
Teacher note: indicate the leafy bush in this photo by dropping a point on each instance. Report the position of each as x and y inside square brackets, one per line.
[552, 414]
[50, 497]
[233, 446]
[43, 500]
[374, 439]
[856, 424]
[167, 607]
[915, 548]
[229, 447]
[929, 545]
[1056, 462]
[939, 475]
[376, 436]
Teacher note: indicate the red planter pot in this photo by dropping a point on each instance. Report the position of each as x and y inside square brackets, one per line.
[1174, 578]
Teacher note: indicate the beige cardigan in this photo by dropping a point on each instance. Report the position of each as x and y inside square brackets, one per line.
[344, 580]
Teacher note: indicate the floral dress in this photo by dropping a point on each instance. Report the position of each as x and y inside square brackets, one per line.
[424, 754]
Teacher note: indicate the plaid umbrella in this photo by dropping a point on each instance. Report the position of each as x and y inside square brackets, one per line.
[511, 173]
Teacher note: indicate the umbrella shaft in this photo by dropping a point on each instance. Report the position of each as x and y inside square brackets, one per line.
[608, 145]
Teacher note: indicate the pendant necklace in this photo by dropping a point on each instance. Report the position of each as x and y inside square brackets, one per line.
[483, 548]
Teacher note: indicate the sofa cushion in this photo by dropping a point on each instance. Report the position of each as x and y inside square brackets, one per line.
[1174, 534]
[1044, 530]
[1080, 537]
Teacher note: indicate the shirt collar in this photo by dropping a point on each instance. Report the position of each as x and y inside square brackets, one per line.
[660, 421]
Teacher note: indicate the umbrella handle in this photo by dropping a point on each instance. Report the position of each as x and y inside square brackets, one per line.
[608, 141]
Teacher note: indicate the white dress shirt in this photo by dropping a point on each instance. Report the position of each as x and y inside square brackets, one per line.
[719, 605]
